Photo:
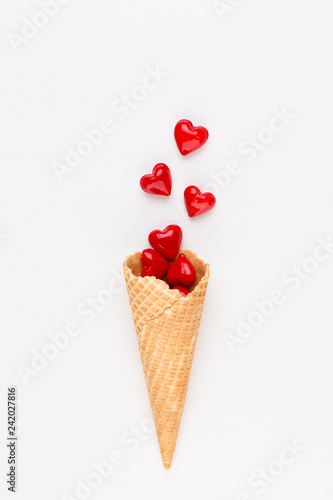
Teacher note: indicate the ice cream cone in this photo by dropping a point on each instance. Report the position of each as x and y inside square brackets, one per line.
[167, 326]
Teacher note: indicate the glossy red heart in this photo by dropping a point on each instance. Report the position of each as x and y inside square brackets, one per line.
[159, 182]
[182, 290]
[196, 202]
[154, 264]
[181, 272]
[168, 241]
[188, 137]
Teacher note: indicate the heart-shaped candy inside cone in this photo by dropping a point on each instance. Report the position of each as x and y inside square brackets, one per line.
[168, 241]
[154, 264]
[181, 272]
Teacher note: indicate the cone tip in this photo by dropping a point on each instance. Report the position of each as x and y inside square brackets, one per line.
[167, 463]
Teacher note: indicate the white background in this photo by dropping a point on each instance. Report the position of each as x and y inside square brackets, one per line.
[62, 241]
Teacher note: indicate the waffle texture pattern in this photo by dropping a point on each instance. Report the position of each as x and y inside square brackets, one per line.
[167, 327]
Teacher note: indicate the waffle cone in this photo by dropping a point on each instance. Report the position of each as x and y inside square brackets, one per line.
[167, 327]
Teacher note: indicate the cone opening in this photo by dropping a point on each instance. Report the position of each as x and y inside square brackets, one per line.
[133, 262]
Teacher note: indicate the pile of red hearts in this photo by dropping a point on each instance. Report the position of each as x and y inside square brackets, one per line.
[162, 261]
[188, 139]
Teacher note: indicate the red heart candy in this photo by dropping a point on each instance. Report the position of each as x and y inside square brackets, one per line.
[182, 290]
[181, 272]
[159, 182]
[196, 202]
[168, 241]
[189, 138]
[154, 264]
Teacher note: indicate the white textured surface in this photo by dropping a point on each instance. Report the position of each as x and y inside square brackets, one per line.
[61, 242]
